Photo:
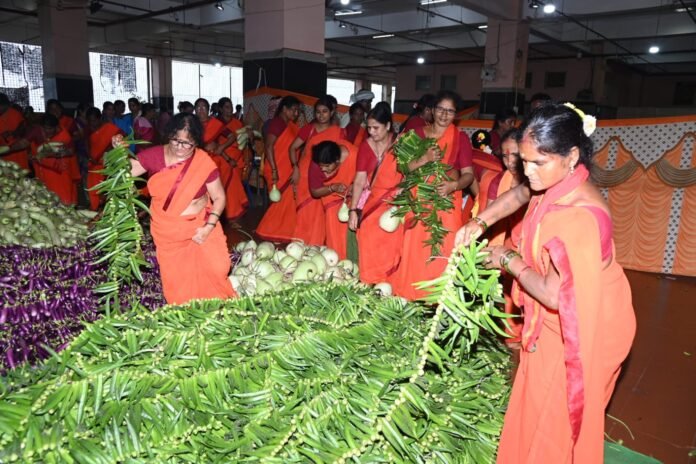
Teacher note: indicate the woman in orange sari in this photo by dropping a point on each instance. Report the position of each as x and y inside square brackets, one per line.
[330, 175]
[355, 130]
[187, 202]
[101, 135]
[278, 224]
[55, 166]
[379, 252]
[310, 226]
[454, 149]
[11, 130]
[56, 108]
[231, 157]
[578, 316]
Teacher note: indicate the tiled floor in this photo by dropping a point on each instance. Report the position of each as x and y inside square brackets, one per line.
[656, 394]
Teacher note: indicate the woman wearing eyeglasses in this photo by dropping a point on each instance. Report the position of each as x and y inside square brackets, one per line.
[187, 201]
[454, 149]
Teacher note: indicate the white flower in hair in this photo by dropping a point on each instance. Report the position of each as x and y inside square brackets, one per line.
[589, 122]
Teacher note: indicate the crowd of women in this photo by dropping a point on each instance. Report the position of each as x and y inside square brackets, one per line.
[525, 188]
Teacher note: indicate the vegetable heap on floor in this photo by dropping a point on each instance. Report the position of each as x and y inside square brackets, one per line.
[426, 203]
[31, 215]
[261, 268]
[319, 373]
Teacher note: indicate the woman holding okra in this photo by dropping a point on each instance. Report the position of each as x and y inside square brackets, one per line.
[578, 316]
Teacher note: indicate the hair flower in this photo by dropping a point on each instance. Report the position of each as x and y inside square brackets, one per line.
[589, 122]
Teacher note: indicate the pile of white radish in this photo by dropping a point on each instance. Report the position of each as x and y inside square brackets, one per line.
[263, 268]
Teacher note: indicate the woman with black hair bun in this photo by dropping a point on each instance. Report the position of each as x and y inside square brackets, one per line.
[310, 222]
[578, 316]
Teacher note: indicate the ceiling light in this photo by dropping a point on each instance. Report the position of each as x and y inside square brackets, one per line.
[219, 6]
[217, 64]
[533, 4]
[382, 36]
[549, 8]
[342, 25]
[345, 2]
[654, 49]
[420, 60]
[430, 2]
[347, 12]
[483, 26]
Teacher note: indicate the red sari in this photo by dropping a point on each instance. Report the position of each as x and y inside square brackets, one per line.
[99, 143]
[60, 175]
[189, 270]
[310, 226]
[10, 121]
[337, 231]
[379, 251]
[278, 224]
[231, 177]
[416, 263]
[571, 357]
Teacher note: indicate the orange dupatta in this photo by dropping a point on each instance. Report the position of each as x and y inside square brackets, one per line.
[337, 231]
[417, 265]
[59, 174]
[189, 270]
[99, 143]
[10, 121]
[278, 224]
[380, 251]
[231, 177]
[311, 224]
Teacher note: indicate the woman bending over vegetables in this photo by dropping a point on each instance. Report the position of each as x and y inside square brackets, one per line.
[187, 202]
[578, 315]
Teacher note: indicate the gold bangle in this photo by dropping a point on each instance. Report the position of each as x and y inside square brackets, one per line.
[210, 224]
[506, 257]
[215, 214]
[481, 223]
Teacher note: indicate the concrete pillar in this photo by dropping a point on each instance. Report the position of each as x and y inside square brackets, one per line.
[284, 45]
[65, 51]
[162, 93]
[505, 66]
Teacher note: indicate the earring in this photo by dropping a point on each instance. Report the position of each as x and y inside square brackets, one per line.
[572, 170]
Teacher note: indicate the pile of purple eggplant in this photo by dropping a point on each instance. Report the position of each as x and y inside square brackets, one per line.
[46, 297]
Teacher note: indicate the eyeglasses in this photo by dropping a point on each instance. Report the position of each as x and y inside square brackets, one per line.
[448, 111]
[182, 143]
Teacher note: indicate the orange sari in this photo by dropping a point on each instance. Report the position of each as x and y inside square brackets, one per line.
[10, 121]
[337, 231]
[416, 263]
[278, 224]
[231, 177]
[66, 122]
[571, 357]
[360, 137]
[60, 175]
[380, 251]
[99, 143]
[189, 270]
[310, 226]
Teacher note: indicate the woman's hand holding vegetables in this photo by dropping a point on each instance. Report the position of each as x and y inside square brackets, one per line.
[338, 188]
[117, 141]
[447, 187]
[492, 261]
[353, 220]
[468, 233]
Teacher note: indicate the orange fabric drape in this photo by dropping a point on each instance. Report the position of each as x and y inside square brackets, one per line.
[416, 263]
[564, 382]
[380, 251]
[337, 231]
[60, 175]
[311, 224]
[188, 270]
[10, 121]
[231, 177]
[278, 223]
[360, 136]
[99, 143]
